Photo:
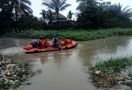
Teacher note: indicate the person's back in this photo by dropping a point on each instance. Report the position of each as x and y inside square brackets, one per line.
[56, 43]
[35, 44]
[47, 44]
[42, 43]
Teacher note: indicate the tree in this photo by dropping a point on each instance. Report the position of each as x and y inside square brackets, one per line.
[21, 8]
[31, 22]
[15, 8]
[88, 13]
[44, 14]
[122, 13]
[84, 4]
[102, 14]
[119, 16]
[5, 15]
[47, 16]
[56, 5]
[69, 16]
[50, 16]
[11, 11]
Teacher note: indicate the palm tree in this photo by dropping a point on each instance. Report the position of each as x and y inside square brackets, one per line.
[70, 15]
[56, 5]
[12, 6]
[21, 7]
[122, 13]
[44, 14]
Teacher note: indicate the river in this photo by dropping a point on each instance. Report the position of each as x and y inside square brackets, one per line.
[66, 69]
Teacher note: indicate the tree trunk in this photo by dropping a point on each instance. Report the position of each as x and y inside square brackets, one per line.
[57, 14]
[16, 15]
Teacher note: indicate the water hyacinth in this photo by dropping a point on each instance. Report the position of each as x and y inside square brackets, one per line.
[98, 72]
[111, 73]
[13, 75]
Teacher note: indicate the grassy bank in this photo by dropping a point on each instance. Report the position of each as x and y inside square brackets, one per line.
[111, 72]
[79, 35]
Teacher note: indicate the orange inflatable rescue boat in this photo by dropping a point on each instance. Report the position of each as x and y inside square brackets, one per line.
[30, 49]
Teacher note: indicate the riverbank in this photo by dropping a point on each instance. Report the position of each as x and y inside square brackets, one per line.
[79, 35]
[14, 75]
[111, 73]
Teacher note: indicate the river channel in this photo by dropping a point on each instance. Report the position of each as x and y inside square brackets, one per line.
[66, 69]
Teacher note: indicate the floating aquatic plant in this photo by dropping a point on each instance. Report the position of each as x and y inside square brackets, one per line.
[111, 72]
[13, 75]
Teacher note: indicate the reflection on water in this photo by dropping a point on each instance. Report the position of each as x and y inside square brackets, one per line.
[66, 69]
[99, 50]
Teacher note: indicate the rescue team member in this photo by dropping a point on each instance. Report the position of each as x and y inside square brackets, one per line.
[43, 42]
[56, 43]
[67, 41]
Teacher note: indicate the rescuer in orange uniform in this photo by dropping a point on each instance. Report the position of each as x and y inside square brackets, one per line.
[44, 43]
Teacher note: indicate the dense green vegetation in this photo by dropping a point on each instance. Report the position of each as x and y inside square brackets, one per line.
[11, 13]
[80, 35]
[96, 13]
[110, 73]
[16, 16]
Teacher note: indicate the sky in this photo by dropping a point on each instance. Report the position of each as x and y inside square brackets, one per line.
[37, 6]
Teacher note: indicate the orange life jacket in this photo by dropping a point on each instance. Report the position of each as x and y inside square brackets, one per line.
[68, 41]
[42, 43]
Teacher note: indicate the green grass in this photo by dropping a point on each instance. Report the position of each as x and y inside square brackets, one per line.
[109, 73]
[79, 35]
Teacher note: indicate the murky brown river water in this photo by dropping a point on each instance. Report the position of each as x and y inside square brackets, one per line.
[67, 69]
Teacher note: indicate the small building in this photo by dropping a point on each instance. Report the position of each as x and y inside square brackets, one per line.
[60, 22]
[61, 17]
